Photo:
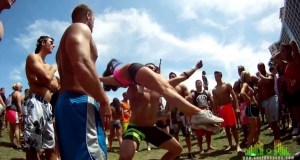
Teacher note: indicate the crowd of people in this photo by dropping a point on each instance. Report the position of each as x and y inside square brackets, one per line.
[74, 108]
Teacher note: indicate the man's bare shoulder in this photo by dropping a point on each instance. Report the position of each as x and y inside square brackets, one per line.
[214, 90]
[207, 92]
[78, 28]
[228, 86]
[32, 58]
[182, 86]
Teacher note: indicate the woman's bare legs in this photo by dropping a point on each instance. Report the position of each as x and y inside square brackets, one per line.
[252, 131]
[111, 137]
[17, 135]
[11, 133]
[119, 134]
[257, 133]
[153, 81]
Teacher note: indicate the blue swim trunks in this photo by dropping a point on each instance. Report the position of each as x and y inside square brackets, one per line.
[79, 128]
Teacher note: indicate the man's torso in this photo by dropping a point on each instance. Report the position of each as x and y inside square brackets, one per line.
[266, 90]
[65, 68]
[35, 86]
[222, 94]
[144, 106]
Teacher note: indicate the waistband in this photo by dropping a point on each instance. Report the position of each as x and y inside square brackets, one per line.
[116, 121]
[37, 97]
[226, 105]
[268, 99]
[131, 124]
[76, 97]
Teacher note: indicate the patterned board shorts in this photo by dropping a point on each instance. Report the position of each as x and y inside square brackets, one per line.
[38, 124]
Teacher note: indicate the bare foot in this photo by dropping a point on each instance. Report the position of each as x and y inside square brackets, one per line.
[228, 148]
[111, 150]
[211, 148]
[238, 149]
[201, 152]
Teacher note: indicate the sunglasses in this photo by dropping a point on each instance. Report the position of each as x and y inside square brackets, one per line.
[51, 42]
[153, 68]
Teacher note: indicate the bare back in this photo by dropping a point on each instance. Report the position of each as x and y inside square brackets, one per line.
[65, 58]
[115, 114]
[266, 88]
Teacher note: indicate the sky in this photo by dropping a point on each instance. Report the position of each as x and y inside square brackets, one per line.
[223, 34]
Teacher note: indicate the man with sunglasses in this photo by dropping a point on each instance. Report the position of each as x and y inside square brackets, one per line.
[38, 125]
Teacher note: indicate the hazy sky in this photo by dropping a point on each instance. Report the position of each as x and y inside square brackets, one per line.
[224, 34]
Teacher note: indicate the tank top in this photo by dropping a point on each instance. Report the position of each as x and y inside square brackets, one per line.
[200, 98]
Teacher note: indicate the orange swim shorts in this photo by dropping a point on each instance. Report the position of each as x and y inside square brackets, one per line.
[227, 113]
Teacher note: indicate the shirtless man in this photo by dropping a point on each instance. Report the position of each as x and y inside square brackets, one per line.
[223, 102]
[144, 105]
[42, 84]
[268, 99]
[77, 110]
[205, 81]
[4, 4]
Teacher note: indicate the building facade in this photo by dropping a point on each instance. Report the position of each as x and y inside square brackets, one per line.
[290, 19]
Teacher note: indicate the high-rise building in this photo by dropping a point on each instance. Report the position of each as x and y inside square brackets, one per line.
[290, 19]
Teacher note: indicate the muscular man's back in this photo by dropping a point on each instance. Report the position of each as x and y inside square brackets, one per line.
[64, 55]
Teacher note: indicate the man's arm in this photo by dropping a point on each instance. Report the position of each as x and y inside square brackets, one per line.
[185, 75]
[236, 87]
[2, 103]
[78, 46]
[265, 79]
[38, 70]
[212, 103]
[215, 98]
[167, 110]
[235, 101]
[190, 97]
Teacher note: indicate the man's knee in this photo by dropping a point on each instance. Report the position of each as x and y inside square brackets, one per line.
[126, 155]
[31, 154]
[127, 149]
